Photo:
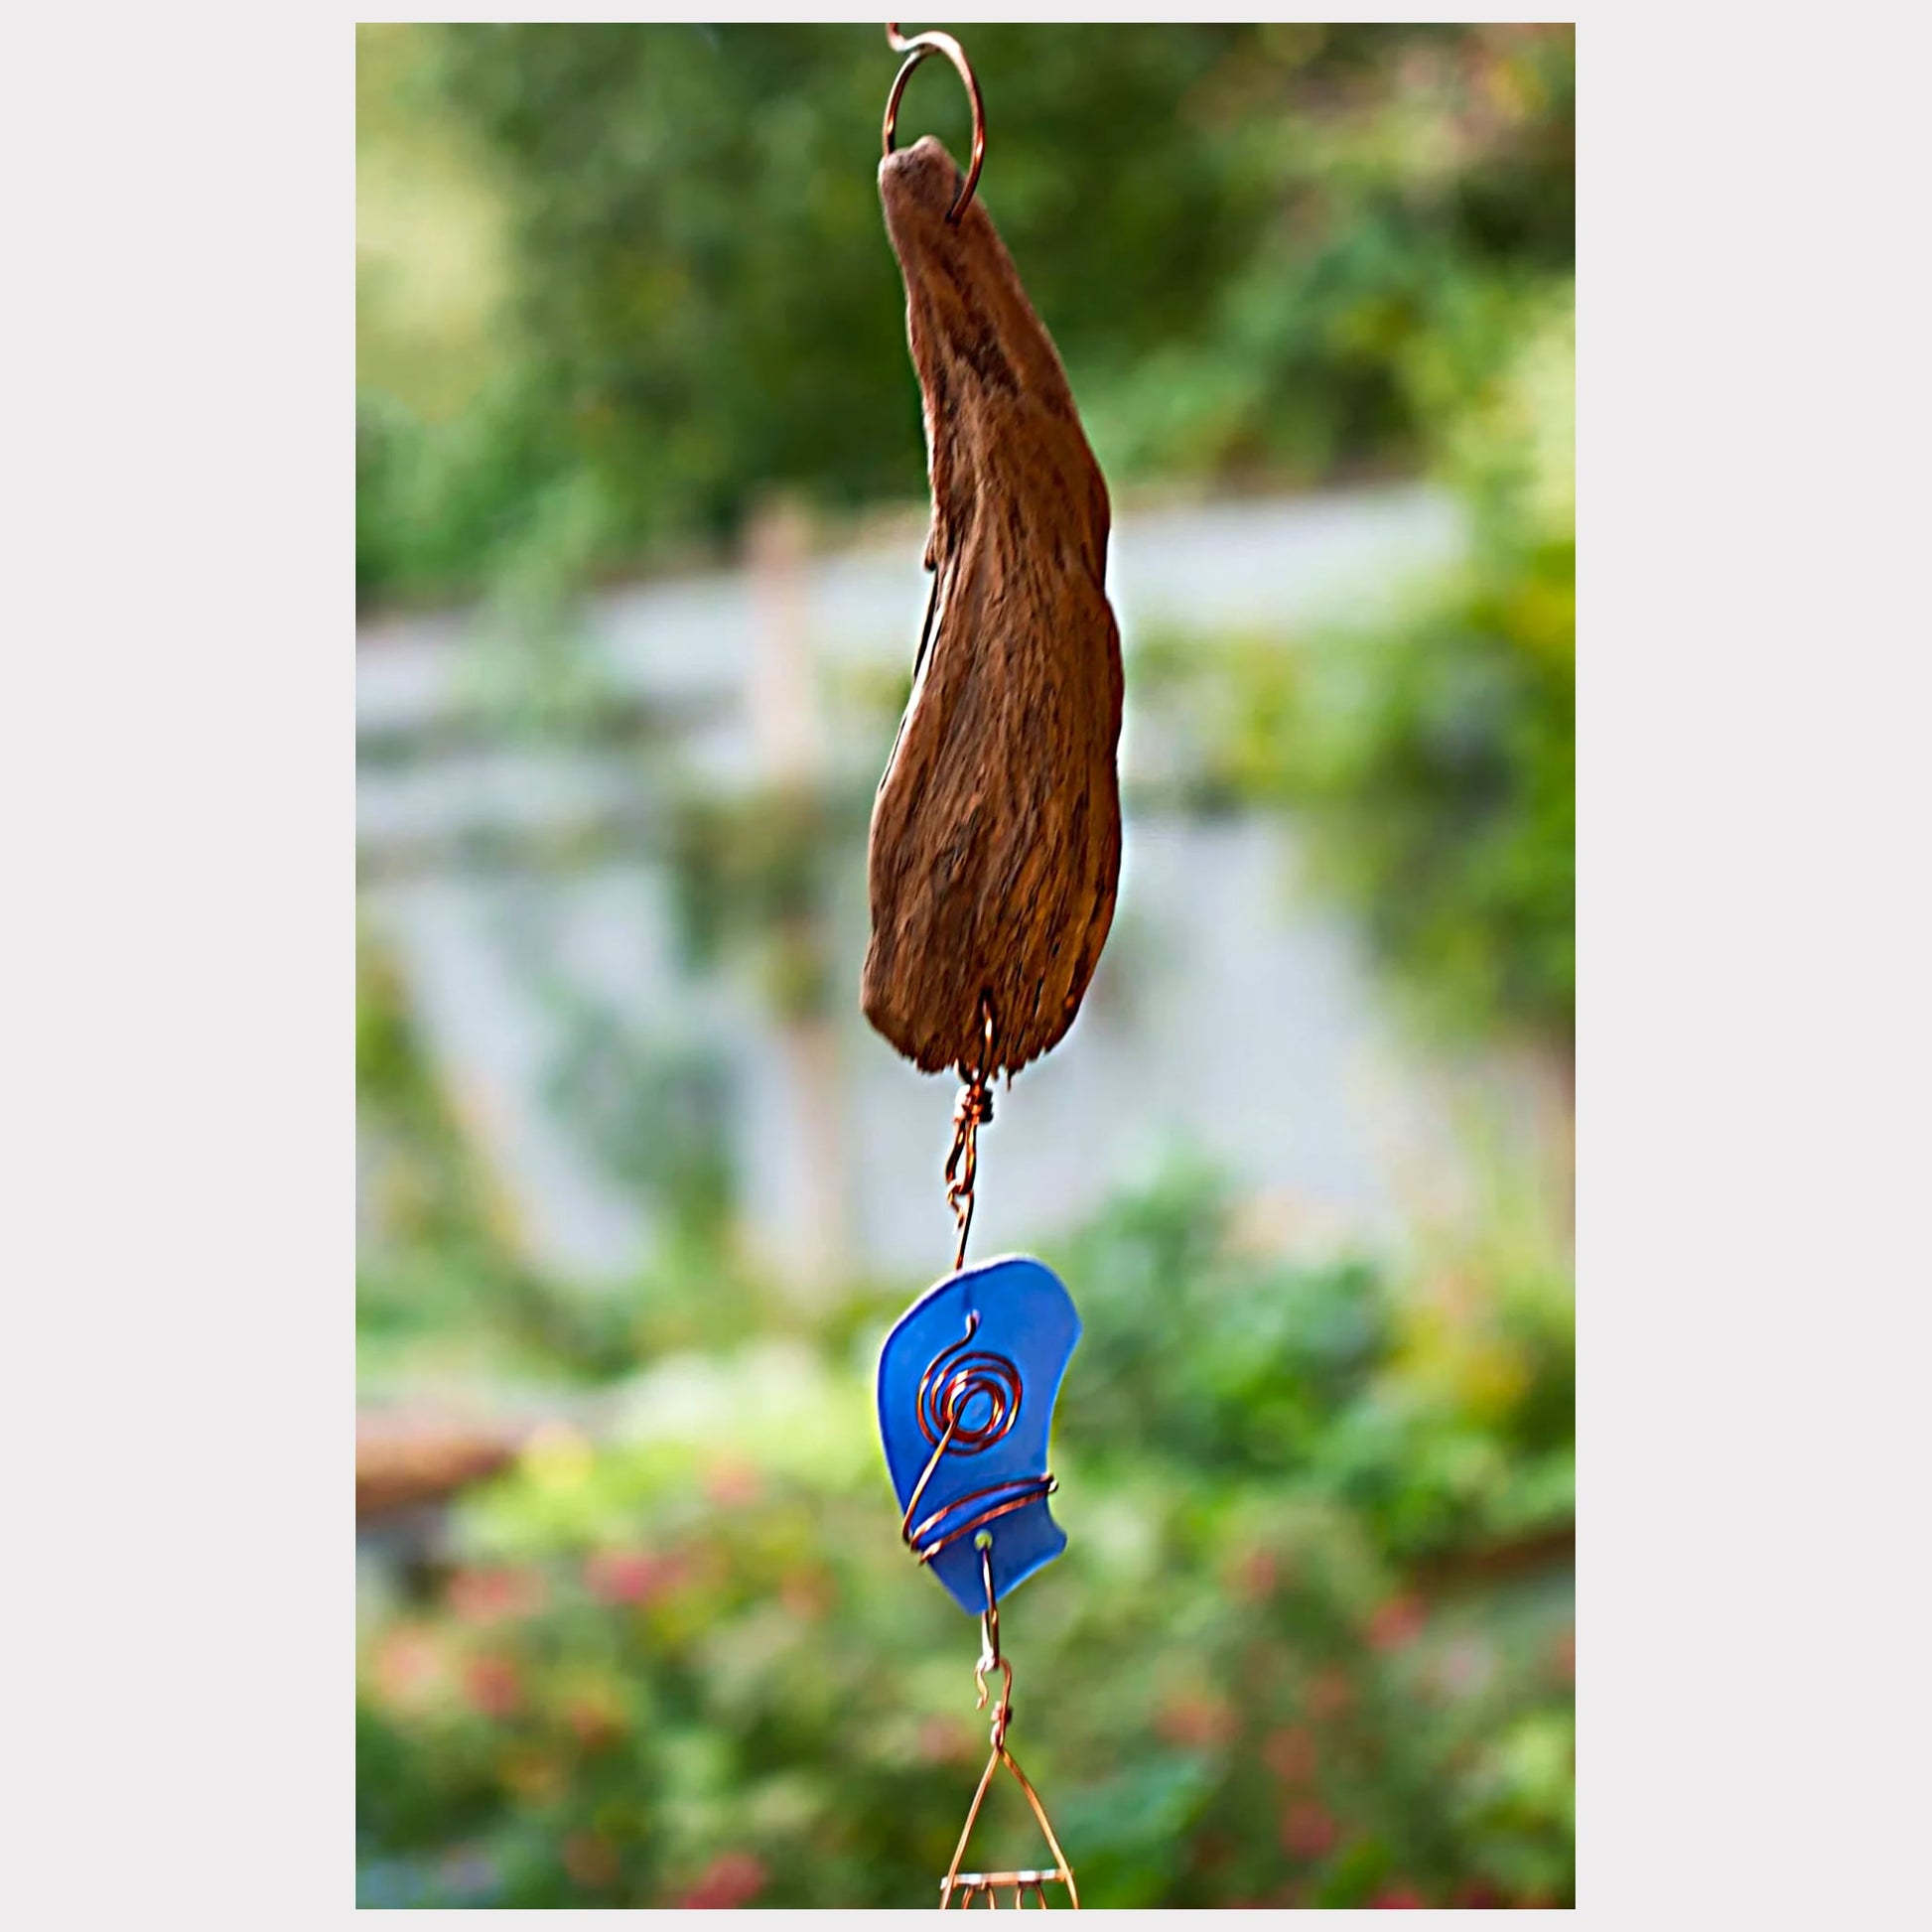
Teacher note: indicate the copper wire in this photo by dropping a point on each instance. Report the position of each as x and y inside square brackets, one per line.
[1011, 1496]
[975, 1111]
[967, 1376]
[982, 1883]
[969, 1399]
[919, 48]
[955, 1379]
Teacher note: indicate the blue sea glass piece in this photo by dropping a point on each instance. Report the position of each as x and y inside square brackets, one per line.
[982, 1353]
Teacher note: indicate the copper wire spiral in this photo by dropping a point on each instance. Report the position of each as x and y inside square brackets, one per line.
[969, 1375]
[956, 1379]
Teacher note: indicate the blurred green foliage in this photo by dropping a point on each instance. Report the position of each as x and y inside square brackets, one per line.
[1260, 248]
[1269, 253]
[444, 1279]
[688, 1661]
[1312, 1641]
[440, 1277]
[1439, 754]
[751, 875]
[1433, 758]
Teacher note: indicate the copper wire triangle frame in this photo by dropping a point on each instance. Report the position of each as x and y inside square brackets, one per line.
[965, 1886]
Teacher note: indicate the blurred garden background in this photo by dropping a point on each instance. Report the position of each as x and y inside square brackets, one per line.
[639, 487]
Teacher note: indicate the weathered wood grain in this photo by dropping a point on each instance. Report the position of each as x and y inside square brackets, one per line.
[995, 850]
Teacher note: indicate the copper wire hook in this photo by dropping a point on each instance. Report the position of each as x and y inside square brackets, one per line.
[990, 1657]
[916, 49]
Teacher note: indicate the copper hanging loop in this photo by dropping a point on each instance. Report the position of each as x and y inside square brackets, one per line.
[916, 49]
[990, 1658]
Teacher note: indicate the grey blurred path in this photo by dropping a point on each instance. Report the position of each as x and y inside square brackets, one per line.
[1231, 1012]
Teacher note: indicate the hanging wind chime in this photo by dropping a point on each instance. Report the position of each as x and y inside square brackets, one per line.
[993, 865]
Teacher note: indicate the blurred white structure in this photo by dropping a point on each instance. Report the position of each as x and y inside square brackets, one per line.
[1230, 1012]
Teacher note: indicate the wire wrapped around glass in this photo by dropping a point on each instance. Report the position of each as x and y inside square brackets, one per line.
[946, 1411]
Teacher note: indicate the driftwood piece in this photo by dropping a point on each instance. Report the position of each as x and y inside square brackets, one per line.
[995, 850]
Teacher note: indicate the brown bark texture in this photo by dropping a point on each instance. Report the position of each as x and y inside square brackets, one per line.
[995, 850]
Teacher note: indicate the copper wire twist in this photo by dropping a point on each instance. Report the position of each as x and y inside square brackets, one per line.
[922, 47]
[968, 1400]
[975, 1111]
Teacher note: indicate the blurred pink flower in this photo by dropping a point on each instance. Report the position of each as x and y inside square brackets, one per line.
[731, 1879]
[1255, 1577]
[1397, 1623]
[806, 1591]
[492, 1685]
[496, 1596]
[1308, 1828]
[408, 1669]
[731, 1484]
[1397, 1895]
[1465, 1669]
[942, 1741]
[1200, 1721]
[1291, 1754]
[631, 1575]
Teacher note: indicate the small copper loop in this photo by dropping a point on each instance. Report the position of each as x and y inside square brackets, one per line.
[990, 1658]
[975, 1111]
[922, 47]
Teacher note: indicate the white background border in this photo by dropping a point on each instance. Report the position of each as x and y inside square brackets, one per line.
[179, 965]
